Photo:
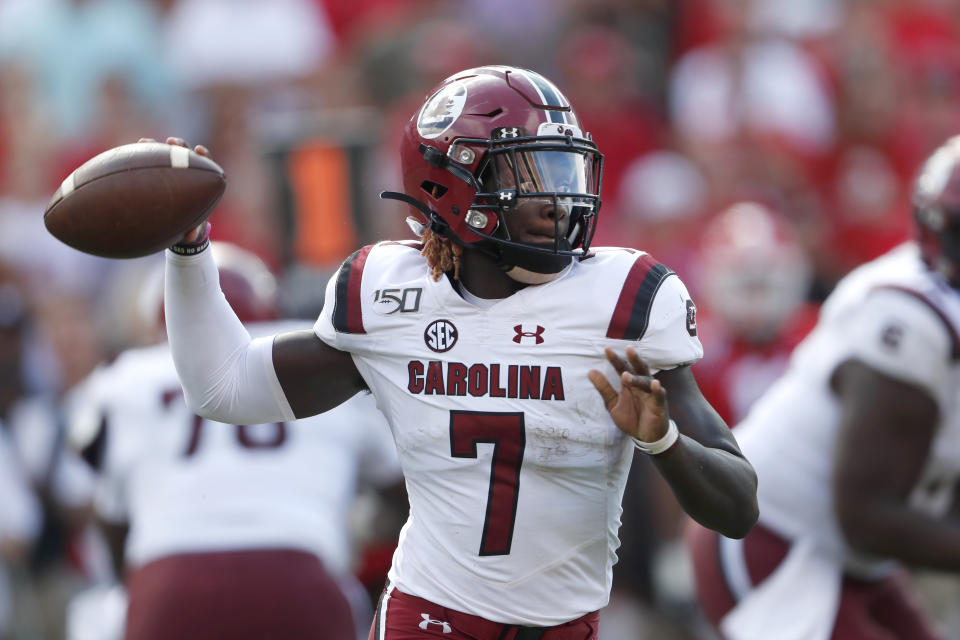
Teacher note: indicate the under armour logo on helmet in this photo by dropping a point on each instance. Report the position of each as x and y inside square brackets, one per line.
[507, 132]
[427, 621]
[521, 334]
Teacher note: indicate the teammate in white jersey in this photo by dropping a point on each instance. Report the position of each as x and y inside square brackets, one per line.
[484, 343]
[857, 450]
[231, 531]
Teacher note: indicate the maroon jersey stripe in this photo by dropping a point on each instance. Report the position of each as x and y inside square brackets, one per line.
[951, 329]
[630, 316]
[347, 311]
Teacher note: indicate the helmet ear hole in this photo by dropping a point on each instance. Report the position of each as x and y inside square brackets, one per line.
[434, 189]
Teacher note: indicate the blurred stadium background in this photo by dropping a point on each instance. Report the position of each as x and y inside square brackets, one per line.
[819, 111]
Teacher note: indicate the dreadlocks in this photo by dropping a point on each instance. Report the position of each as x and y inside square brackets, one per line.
[441, 254]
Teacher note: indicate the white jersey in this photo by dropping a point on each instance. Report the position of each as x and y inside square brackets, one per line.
[191, 485]
[900, 319]
[514, 469]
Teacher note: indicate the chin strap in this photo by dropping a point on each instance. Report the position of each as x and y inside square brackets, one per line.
[498, 254]
[434, 222]
[413, 202]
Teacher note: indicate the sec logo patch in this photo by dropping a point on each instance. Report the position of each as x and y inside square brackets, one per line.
[440, 336]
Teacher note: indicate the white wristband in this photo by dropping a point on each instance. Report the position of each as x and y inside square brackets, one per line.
[659, 446]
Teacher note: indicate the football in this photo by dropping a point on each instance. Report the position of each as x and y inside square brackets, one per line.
[134, 200]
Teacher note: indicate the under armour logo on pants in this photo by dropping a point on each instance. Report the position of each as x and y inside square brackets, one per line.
[427, 621]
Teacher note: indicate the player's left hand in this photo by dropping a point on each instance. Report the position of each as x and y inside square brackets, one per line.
[640, 408]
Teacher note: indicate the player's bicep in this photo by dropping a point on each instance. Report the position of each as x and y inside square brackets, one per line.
[886, 430]
[695, 417]
[314, 376]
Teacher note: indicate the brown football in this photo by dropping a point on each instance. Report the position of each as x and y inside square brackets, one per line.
[134, 200]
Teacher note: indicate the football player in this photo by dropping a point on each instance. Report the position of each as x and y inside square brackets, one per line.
[755, 276]
[857, 449]
[229, 530]
[489, 343]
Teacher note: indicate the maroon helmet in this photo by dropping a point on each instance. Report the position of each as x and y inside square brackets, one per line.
[247, 283]
[936, 207]
[488, 139]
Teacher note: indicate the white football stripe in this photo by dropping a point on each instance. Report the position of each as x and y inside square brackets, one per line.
[67, 186]
[179, 157]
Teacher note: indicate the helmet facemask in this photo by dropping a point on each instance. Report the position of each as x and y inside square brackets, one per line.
[936, 208]
[559, 171]
[940, 241]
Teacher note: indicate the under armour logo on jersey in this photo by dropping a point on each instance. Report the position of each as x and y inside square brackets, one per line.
[521, 334]
[427, 621]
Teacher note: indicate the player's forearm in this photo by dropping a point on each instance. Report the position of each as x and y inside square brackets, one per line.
[715, 487]
[225, 375]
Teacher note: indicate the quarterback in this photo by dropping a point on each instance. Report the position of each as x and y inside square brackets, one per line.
[517, 367]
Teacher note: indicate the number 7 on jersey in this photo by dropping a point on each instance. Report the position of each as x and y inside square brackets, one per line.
[506, 432]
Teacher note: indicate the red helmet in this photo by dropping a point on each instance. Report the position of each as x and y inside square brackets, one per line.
[487, 138]
[936, 208]
[756, 272]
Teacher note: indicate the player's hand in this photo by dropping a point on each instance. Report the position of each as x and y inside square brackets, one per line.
[640, 408]
[192, 236]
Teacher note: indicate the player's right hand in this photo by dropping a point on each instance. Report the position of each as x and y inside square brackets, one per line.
[195, 234]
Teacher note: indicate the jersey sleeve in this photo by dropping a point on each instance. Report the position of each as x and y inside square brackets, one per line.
[670, 339]
[903, 336]
[342, 313]
[323, 327]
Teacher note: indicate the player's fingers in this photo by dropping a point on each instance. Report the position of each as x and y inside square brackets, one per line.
[180, 142]
[146, 140]
[601, 384]
[644, 383]
[618, 363]
[202, 150]
[651, 386]
[196, 233]
[639, 365]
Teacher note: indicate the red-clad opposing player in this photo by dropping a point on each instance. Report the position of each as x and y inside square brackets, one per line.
[229, 530]
[755, 280]
[518, 369]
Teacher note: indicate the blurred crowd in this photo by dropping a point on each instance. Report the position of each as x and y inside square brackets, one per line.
[760, 148]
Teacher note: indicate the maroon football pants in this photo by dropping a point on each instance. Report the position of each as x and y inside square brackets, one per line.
[404, 617]
[869, 610]
[261, 594]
